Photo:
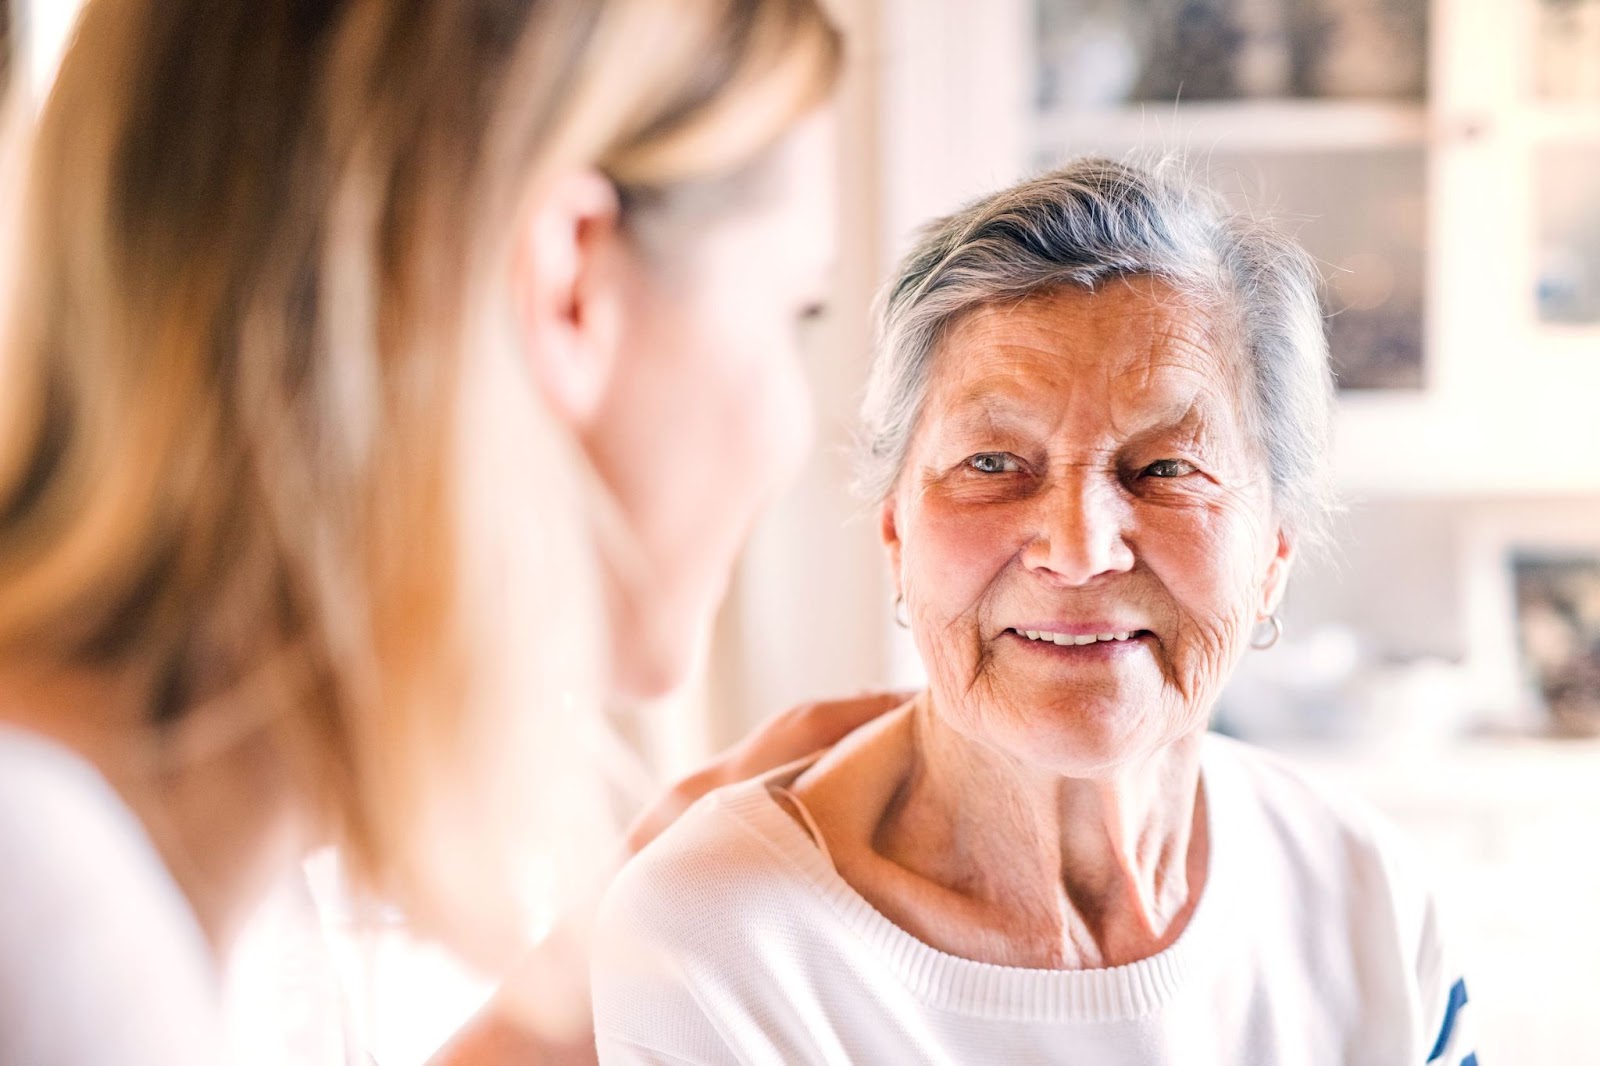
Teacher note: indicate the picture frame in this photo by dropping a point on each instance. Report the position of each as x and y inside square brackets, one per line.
[1557, 597]
[1533, 650]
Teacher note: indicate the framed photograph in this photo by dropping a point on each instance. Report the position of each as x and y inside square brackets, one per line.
[1531, 577]
[1558, 635]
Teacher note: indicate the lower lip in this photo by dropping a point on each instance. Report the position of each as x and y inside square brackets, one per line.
[1100, 649]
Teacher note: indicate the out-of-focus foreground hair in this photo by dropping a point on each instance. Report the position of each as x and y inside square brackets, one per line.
[268, 448]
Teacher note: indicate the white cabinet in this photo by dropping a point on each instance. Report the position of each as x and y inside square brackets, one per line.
[1444, 165]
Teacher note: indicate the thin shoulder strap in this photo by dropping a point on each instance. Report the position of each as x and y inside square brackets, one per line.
[805, 818]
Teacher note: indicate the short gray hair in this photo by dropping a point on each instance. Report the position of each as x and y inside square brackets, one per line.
[1089, 222]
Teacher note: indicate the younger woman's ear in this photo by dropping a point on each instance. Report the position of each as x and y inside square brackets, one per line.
[567, 280]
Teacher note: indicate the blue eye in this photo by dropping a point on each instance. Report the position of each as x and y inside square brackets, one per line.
[1168, 468]
[993, 463]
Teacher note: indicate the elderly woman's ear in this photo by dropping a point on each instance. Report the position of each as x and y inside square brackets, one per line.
[889, 533]
[1276, 578]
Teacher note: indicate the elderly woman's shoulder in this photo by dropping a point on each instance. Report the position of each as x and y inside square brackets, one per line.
[696, 877]
[1336, 838]
[720, 885]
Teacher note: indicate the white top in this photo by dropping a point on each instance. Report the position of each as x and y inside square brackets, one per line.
[101, 959]
[731, 939]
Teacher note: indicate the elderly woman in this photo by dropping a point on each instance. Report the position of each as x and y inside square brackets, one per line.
[1096, 428]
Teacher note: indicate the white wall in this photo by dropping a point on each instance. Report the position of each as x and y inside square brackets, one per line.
[808, 613]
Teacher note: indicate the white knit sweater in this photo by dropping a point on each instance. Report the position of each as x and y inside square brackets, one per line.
[102, 962]
[732, 940]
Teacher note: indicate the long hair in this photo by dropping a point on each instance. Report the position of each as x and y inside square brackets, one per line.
[267, 444]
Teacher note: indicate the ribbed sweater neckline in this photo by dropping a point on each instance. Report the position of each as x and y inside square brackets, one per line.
[1010, 993]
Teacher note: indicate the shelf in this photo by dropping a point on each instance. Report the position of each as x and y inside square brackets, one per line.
[1236, 126]
[1566, 343]
[1523, 771]
[1574, 123]
[1538, 438]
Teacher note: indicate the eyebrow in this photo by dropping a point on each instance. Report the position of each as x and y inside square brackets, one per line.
[1191, 421]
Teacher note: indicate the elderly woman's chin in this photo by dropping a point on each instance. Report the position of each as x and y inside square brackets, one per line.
[1079, 729]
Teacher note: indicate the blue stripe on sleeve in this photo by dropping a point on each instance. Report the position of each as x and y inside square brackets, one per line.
[1471, 1059]
[1458, 999]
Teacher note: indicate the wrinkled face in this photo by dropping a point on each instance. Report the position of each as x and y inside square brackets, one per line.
[1083, 529]
[709, 414]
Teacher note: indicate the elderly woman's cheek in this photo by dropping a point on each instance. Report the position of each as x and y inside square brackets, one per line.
[1206, 558]
[954, 551]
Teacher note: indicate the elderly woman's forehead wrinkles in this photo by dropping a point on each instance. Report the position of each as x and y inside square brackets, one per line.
[996, 332]
[986, 408]
[1166, 373]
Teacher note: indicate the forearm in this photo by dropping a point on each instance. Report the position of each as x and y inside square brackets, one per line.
[493, 1038]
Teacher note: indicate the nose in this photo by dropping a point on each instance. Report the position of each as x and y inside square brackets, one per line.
[1079, 531]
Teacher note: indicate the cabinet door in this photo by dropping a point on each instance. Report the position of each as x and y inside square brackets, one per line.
[1312, 111]
[1518, 246]
[1561, 90]
[1435, 155]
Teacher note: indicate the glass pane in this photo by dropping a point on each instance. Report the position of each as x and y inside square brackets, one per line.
[1567, 51]
[1106, 52]
[1361, 215]
[1565, 180]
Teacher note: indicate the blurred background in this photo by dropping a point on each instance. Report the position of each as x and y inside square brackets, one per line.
[1441, 159]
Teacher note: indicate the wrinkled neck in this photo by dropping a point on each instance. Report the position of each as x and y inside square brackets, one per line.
[1104, 869]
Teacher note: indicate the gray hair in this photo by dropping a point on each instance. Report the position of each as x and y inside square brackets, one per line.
[1089, 222]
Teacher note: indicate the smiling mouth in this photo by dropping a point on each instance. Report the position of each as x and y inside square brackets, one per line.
[1080, 640]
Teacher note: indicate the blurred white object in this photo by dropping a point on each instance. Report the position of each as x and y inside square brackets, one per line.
[1297, 690]
[1413, 707]
[1505, 829]
[282, 1001]
[1569, 50]
[101, 957]
[402, 997]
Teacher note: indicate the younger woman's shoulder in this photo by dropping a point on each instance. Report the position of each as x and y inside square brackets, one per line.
[92, 926]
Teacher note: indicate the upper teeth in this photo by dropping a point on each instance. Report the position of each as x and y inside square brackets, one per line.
[1070, 638]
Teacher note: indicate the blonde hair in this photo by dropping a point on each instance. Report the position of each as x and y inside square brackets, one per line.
[266, 441]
